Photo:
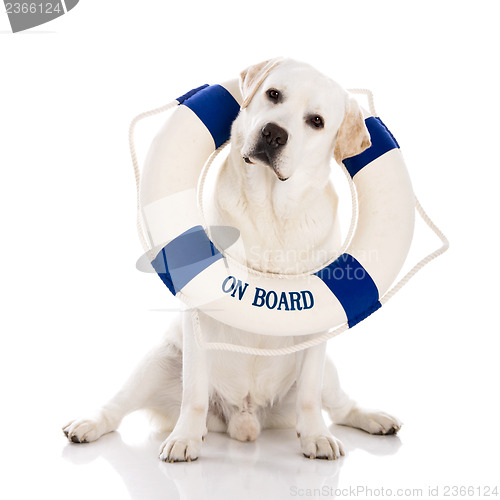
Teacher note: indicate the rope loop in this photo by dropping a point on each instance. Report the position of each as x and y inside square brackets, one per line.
[315, 339]
[369, 95]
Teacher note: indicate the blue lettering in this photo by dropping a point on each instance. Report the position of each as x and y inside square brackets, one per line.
[283, 301]
[287, 301]
[275, 300]
[232, 285]
[241, 289]
[258, 299]
[295, 301]
[305, 294]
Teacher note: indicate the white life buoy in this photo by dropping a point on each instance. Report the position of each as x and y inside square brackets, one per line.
[344, 291]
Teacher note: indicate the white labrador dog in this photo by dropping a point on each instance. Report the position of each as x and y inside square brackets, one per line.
[275, 188]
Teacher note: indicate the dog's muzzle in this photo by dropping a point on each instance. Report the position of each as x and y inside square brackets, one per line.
[271, 142]
[273, 137]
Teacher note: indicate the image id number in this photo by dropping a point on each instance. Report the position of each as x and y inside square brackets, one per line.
[33, 8]
[470, 491]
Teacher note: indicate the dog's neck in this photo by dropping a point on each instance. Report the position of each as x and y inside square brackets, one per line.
[285, 227]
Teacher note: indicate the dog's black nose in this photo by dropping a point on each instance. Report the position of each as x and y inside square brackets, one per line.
[273, 135]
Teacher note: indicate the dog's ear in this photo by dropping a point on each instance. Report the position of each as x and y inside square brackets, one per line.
[252, 77]
[353, 136]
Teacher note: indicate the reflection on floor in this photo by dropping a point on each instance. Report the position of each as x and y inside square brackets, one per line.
[271, 467]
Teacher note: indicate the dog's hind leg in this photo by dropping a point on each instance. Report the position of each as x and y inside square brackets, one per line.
[155, 384]
[345, 411]
[334, 400]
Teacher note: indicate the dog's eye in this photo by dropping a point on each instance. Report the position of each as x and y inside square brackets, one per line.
[273, 94]
[317, 121]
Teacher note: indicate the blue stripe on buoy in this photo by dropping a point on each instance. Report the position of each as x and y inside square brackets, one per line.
[216, 108]
[382, 141]
[184, 258]
[191, 93]
[355, 289]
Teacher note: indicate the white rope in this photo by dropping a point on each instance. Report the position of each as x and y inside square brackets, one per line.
[268, 274]
[137, 172]
[257, 351]
[318, 339]
[445, 244]
[315, 339]
[369, 95]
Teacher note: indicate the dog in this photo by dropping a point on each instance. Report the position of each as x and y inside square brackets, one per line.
[275, 188]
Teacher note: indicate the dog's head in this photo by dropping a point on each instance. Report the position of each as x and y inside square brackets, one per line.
[294, 119]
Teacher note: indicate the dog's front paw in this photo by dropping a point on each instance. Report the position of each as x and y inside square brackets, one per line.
[323, 446]
[177, 448]
[374, 421]
[83, 430]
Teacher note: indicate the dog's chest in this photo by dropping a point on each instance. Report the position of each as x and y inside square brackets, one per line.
[236, 376]
[293, 245]
[286, 246]
[261, 380]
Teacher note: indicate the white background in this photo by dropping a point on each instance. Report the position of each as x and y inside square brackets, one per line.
[76, 315]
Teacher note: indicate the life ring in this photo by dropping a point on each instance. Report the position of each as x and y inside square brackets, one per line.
[344, 291]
